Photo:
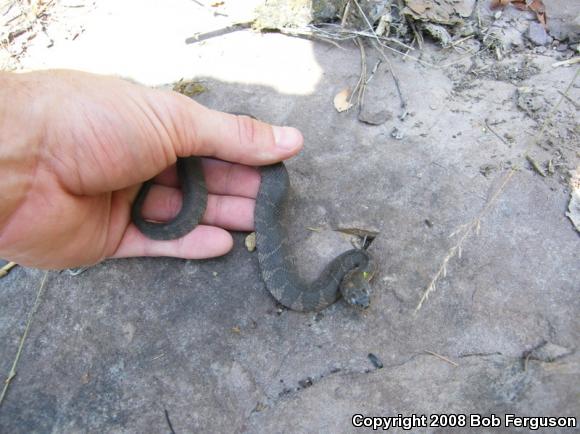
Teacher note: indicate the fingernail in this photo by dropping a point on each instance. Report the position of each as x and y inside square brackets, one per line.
[287, 138]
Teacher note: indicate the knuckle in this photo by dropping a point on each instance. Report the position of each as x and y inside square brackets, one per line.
[247, 128]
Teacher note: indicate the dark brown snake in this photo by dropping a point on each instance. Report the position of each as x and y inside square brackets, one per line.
[348, 274]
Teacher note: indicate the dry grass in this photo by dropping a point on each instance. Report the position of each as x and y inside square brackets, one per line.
[12, 372]
[6, 268]
[473, 227]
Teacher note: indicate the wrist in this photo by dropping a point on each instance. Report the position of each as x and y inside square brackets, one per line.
[19, 141]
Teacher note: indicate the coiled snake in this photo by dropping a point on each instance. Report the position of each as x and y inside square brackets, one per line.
[348, 274]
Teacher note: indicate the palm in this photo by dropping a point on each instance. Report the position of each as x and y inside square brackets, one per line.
[96, 149]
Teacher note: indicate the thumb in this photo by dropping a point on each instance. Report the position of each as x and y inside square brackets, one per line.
[229, 137]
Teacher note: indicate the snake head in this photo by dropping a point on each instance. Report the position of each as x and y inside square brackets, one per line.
[355, 289]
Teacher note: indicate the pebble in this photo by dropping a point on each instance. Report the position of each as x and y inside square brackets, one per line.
[377, 363]
[250, 242]
[397, 134]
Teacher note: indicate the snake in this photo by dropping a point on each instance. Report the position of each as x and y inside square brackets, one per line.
[346, 275]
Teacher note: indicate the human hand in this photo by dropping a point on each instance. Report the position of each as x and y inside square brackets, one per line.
[75, 147]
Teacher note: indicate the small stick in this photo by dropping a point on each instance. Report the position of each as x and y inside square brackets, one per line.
[494, 133]
[445, 359]
[374, 70]
[337, 32]
[12, 372]
[360, 87]
[218, 32]
[345, 14]
[6, 268]
[574, 103]
[568, 62]
[459, 41]
[395, 78]
[168, 421]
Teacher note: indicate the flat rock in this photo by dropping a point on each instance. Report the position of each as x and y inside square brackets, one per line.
[116, 347]
[441, 12]
[377, 116]
[549, 352]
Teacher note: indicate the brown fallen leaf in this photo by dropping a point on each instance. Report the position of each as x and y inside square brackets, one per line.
[536, 6]
[341, 100]
[496, 4]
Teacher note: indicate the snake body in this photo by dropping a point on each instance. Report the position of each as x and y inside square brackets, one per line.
[345, 275]
[193, 204]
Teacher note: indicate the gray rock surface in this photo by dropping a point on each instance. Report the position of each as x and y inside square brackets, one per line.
[537, 34]
[564, 21]
[114, 348]
[446, 12]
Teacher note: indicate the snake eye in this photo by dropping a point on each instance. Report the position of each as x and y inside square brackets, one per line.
[362, 301]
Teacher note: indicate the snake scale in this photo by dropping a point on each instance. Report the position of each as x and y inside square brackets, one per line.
[345, 275]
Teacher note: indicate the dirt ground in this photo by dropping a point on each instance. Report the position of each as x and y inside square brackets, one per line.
[464, 167]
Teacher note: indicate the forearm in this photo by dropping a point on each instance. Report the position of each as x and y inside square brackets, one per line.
[19, 141]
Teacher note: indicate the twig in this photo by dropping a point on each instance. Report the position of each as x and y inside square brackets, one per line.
[360, 87]
[397, 83]
[574, 103]
[459, 41]
[408, 51]
[526, 360]
[306, 34]
[568, 62]
[494, 133]
[6, 268]
[218, 32]
[44, 8]
[168, 421]
[475, 224]
[12, 372]
[445, 359]
[340, 33]
[418, 36]
[345, 14]
[374, 70]
[9, 8]
[313, 31]
[395, 78]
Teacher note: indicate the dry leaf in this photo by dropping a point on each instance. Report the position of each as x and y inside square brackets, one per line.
[539, 9]
[536, 6]
[495, 4]
[341, 100]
